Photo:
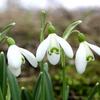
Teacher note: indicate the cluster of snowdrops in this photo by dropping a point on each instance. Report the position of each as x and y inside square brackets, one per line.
[52, 49]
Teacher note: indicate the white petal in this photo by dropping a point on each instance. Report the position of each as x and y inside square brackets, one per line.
[95, 48]
[80, 59]
[53, 58]
[29, 56]
[66, 47]
[88, 51]
[15, 71]
[14, 57]
[41, 50]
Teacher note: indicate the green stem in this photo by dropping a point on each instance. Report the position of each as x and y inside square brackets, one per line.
[42, 96]
[63, 76]
[42, 88]
[43, 27]
[70, 28]
[64, 83]
[92, 93]
[43, 23]
[7, 28]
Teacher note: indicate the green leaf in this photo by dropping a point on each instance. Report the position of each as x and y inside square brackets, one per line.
[70, 28]
[2, 36]
[43, 89]
[67, 92]
[14, 88]
[94, 90]
[7, 28]
[43, 24]
[51, 28]
[48, 84]
[3, 74]
[37, 88]
[1, 95]
[25, 95]
[8, 96]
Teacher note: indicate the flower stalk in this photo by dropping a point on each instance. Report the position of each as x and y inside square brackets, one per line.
[43, 28]
[65, 87]
[63, 75]
[70, 29]
[43, 25]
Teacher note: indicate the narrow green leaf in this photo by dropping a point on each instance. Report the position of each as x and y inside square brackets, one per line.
[48, 84]
[43, 24]
[43, 89]
[8, 96]
[7, 28]
[49, 88]
[70, 28]
[14, 88]
[46, 67]
[1, 95]
[43, 92]
[37, 88]
[3, 74]
[90, 97]
[25, 95]
[67, 92]
[2, 36]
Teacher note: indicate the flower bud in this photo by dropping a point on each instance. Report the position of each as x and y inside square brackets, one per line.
[10, 41]
[81, 37]
[51, 28]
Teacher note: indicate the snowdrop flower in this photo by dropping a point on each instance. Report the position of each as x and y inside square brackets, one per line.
[51, 46]
[15, 56]
[85, 55]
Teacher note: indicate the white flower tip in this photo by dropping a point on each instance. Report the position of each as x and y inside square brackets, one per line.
[53, 63]
[54, 58]
[80, 66]
[2, 52]
[35, 65]
[22, 88]
[38, 58]
[81, 71]
[97, 83]
[41, 73]
[80, 21]
[71, 55]
[13, 23]
[15, 71]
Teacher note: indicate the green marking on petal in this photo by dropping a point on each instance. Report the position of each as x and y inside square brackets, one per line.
[90, 58]
[54, 50]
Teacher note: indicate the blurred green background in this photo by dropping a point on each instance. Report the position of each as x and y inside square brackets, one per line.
[26, 34]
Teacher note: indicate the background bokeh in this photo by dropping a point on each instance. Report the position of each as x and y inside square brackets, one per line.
[26, 14]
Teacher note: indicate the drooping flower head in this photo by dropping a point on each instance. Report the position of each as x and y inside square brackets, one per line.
[85, 55]
[51, 46]
[15, 56]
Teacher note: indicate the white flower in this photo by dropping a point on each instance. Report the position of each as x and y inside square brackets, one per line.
[15, 56]
[51, 45]
[85, 55]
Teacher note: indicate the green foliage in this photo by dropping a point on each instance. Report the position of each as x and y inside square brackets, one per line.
[76, 86]
[70, 29]
[1, 95]
[94, 90]
[43, 89]
[51, 28]
[14, 88]
[3, 74]
[25, 94]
